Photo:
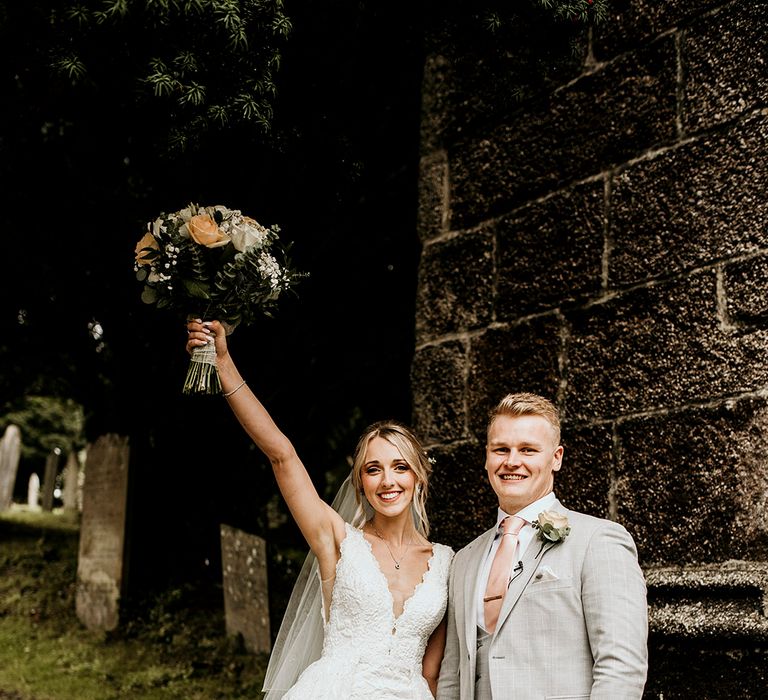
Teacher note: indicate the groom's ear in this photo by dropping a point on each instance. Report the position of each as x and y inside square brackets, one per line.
[558, 458]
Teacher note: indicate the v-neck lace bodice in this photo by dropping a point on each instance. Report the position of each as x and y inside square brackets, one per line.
[395, 614]
[368, 652]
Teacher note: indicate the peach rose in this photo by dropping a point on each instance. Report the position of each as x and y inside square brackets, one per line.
[204, 231]
[147, 241]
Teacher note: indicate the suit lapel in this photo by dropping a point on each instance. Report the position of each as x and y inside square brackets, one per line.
[474, 563]
[531, 561]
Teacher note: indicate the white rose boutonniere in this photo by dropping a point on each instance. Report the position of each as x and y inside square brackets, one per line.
[553, 527]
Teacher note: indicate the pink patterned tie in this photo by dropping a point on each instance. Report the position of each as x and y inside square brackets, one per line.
[501, 570]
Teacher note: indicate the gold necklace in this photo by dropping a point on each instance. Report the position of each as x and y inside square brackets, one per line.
[386, 544]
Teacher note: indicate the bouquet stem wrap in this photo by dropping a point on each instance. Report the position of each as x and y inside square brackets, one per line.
[202, 376]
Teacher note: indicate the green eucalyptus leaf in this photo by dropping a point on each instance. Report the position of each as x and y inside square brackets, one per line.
[149, 295]
[197, 289]
[228, 253]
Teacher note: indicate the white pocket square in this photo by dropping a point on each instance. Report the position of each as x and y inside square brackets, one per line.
[544, 573]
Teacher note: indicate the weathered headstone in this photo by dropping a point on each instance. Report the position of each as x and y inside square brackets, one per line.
[82, 457]
[10, 450]
[33, 491]
[49, 479]
[100, 563]
[246, 601]
[71, 476]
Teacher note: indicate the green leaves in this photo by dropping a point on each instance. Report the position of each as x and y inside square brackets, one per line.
[574, 11]
[199, 65]
[550, 532]
[149, 295]
[47, 422]
[79, 13]
[581, 10]
[193, 94]
[117, 8]
[196, 289]
[162, 81]
[72, 67]
[282, 25]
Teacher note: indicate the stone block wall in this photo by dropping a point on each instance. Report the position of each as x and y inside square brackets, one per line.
[604, 242]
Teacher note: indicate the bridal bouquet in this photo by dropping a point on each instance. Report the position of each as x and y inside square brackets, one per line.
[212, 262]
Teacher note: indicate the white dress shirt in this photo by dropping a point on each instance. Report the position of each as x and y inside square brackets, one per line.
[529, 514]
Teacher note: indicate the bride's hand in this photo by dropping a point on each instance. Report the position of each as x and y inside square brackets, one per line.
[201, 333]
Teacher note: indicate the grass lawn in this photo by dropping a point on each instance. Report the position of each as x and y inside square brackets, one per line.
[174, 646]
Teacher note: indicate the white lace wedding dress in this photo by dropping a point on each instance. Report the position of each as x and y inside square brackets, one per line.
[368, 653]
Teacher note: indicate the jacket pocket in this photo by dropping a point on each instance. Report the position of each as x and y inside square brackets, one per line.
[535, 587]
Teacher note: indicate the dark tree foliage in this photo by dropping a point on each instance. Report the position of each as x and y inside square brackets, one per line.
[47, 424]
[192, 65]
[83, 167]
[109, 119]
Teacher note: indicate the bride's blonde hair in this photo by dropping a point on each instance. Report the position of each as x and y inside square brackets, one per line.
[401, 437]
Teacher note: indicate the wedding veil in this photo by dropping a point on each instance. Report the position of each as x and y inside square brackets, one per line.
[300, 639]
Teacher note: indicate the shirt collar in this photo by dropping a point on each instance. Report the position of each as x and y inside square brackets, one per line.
[531, 511]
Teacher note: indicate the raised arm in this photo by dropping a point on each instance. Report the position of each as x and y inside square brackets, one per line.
[321, 526]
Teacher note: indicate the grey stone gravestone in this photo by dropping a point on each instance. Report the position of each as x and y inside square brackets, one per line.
[10, 450]
[49, 479]
[33, 491]
[100, 563]
[71, 476]
[246, 599]
[81, 479]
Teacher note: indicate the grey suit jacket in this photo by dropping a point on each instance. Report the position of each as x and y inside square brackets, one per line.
[574, 622]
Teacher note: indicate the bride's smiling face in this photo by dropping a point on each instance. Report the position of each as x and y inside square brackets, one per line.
[387, 479]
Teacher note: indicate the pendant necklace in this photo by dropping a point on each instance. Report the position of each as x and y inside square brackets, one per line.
[386, 544]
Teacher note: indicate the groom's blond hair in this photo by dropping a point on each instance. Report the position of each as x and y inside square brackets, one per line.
[525, 404]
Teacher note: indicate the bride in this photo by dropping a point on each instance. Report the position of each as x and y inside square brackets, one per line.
[376, 588]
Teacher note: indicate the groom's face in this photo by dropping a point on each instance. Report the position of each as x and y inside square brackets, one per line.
[521, 458]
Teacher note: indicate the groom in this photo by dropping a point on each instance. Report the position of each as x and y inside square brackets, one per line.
[550, 603]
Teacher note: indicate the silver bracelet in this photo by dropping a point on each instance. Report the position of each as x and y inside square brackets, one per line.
[239, 386]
